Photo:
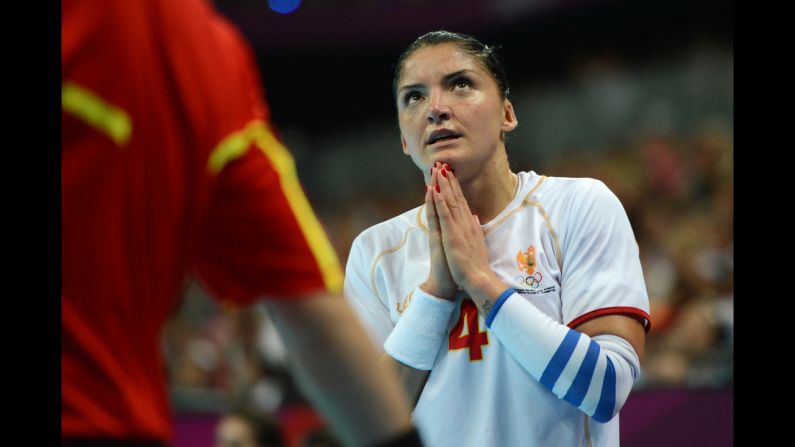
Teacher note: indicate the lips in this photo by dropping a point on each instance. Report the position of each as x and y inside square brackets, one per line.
[441, 135]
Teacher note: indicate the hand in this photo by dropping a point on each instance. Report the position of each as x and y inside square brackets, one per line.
[440, 283]
[464, 242]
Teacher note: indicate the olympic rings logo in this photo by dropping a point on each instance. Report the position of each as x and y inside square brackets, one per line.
[533, 281]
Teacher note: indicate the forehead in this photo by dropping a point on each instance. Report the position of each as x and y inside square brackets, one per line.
[436, 61]
[233, 426]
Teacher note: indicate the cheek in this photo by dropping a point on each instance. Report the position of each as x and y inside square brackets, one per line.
[483, 117]
[490, 118]
[410, 128]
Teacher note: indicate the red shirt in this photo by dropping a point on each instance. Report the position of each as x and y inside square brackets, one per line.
[169, 167]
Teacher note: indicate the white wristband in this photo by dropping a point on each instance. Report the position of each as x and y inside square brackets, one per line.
[419, 332]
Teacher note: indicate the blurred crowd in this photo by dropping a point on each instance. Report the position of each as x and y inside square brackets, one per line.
[678, 193]
[677, 189]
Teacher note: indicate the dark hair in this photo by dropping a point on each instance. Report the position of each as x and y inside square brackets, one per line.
[485, 55]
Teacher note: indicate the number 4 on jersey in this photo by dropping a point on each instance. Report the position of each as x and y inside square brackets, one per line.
[467, 334]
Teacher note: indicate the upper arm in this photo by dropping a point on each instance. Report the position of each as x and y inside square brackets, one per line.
[628, 328]
[372, 311]
[601, 272]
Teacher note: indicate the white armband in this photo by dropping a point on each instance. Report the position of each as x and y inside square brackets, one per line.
[419, 332]
[595, 374]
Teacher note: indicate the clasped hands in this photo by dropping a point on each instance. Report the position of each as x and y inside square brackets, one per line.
[459, 256]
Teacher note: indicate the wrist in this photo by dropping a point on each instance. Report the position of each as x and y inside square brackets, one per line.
[485, 286]
[431, 288]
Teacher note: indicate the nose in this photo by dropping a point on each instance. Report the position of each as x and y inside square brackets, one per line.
[438, 110]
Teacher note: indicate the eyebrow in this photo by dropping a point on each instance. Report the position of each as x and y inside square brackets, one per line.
[445, 79]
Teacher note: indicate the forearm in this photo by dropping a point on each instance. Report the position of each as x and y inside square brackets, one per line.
[416, 339]
[413, 380]
[339, 370]
[595, 374]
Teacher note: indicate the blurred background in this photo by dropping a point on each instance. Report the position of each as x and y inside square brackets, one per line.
[636, 94]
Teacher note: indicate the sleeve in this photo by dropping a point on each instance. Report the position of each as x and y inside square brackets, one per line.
[601, 272]
[259, 235]
[372, 311]
[262, 238]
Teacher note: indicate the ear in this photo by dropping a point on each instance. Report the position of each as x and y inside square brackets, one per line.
[509, 121]
[404, 144]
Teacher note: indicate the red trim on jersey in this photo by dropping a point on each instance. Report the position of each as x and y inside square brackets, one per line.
[644, 318]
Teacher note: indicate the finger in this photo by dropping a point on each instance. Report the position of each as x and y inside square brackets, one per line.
[472, 228]
[455, 186]
[434, 186]
[430, 211]
[476, 225]
[429, 174]
[456, 211]
[433, 171]
[443, 211]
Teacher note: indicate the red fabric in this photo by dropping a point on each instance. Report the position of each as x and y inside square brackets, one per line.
[137, 219]
[633, 312]
[298, 422]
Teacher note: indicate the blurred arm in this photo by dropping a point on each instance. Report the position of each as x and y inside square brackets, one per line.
[338, 368]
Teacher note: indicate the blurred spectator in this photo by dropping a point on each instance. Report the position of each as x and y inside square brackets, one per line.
[244, 427]
[320, 437]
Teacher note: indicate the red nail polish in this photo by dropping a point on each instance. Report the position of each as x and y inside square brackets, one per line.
[437, 189]
[444, 172]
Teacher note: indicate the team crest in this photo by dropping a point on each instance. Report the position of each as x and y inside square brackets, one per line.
[526, 260]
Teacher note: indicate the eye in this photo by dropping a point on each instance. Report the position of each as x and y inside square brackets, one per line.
[462, 83]
[411, 97]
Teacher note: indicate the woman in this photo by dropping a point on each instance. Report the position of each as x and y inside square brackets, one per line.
[513, 304]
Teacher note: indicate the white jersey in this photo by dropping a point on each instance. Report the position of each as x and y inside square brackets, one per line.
[566, 245]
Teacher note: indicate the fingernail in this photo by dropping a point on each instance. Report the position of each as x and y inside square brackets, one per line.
[449, 168]
[437, 189]
[444, 172]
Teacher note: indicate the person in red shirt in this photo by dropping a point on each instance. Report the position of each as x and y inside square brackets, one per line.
[170, 167]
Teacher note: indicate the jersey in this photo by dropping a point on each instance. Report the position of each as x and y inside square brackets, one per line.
[170, 168]
[565, 245]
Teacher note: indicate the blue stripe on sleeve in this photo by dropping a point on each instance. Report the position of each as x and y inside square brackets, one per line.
[607, 402]
[559, 359]
[500, 301]
[579, 387]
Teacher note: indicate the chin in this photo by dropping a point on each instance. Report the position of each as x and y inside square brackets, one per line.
[450, 156]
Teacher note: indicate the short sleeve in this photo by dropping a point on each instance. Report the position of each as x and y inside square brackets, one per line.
[601, 271]
[358, 291]
[261, 237]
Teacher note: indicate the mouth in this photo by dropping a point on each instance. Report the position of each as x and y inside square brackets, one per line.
[441, 135]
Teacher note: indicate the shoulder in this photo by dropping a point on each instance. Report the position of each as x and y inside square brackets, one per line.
[388, 234]
[578, 205]
[572, 188]
[573, 197]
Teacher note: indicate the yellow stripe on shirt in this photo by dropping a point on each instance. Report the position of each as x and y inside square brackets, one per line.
[112, 121]
[234, 146]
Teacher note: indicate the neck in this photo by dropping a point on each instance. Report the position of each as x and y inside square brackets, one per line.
[489, 192]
